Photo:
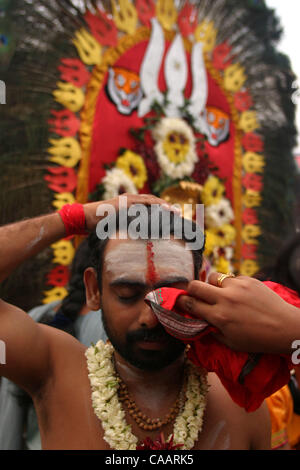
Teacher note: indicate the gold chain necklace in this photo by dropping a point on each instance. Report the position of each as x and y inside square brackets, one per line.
[143, 421]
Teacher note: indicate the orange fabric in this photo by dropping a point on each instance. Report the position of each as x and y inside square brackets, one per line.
[280, 406]
[293, 430]
[285, 423]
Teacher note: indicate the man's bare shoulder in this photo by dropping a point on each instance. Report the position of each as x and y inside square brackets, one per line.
[232, 426]
[62, 344]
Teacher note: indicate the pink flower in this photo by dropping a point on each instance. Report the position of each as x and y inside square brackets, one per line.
[250, 217]
[253, 182]
[243, 101]
[249, 251]
[252, 142]
[221, 56]
[159, 444]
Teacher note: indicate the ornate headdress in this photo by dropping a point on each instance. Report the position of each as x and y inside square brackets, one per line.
[187, 100]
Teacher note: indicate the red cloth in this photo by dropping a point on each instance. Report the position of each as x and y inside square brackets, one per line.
[73, 217]
[271, 372]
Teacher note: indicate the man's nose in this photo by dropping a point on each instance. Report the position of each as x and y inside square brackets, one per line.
[147, 318]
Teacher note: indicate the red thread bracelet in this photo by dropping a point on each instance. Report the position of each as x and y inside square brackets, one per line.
[73, 217]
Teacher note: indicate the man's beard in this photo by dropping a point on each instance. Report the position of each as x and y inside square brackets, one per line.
[148, 360]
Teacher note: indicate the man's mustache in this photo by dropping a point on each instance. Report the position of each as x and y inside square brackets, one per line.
[155, 334]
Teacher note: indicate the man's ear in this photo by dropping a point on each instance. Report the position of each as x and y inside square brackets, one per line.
[92, 293]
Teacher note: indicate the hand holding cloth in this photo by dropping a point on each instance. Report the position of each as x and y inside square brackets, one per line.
[249, 378]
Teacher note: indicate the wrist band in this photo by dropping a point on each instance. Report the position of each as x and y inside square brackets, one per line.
[73, 217]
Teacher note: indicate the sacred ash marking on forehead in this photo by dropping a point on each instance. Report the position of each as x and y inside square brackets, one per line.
[147, 262]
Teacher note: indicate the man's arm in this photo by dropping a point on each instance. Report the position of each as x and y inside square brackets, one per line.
[249, 315]
[28, 361]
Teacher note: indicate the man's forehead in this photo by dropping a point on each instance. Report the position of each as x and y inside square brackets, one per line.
[148, 258]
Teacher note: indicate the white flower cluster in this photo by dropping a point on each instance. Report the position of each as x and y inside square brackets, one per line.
[115, 180]
[104, 384]
[160, 134]
[117, 433]
[219, 214]
[189, 423]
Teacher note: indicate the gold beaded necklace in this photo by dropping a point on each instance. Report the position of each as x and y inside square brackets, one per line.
[143, 421]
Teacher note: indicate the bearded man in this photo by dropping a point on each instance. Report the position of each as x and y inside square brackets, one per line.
[117, 395]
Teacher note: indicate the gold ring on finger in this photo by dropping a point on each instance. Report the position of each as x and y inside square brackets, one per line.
[222, 277]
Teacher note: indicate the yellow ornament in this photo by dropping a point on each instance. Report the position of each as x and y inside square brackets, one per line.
[88, 48]
[69, 96]
[63, 252]
[65, 151]
[61, 199]
[166, 13]
[250, 234]
[248, 121]
[207, 34]
[252, 199]
[210, 243]
[57, 293]
[125, 15]
[213, 191]
[133, 165]
[225, 235]
[222, 265]
[249, 267]
[253, 162]
[234, 77]
[176, 147]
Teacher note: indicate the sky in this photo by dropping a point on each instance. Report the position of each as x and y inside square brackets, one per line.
[289, 13]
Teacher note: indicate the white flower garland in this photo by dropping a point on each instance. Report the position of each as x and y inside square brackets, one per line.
[117, 433]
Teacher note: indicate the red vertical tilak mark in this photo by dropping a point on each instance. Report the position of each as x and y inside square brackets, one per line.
[151, 273]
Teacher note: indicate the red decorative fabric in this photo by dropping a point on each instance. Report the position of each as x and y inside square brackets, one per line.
[271, 372]
[243, 101]
[252, 142]
[102, 27]
[109, 122]
[61, 179]
[73, 217]
[222, 56]
[187, 20]
[250, 217]
[253, 182]
[64, 123]
[146, 11]
[249, 251]
[58, 276]
[74, 71]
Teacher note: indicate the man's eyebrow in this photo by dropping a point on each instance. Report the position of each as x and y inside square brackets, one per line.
[170, 281]
[135, 283]
[128, 283]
